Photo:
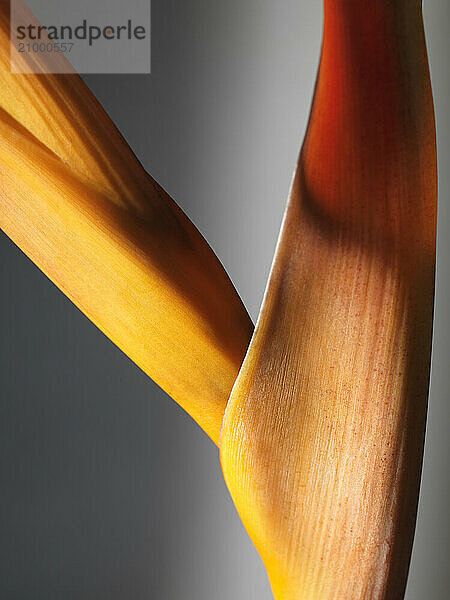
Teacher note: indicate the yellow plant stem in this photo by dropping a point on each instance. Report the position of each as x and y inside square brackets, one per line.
[76, 200]
[322, 440]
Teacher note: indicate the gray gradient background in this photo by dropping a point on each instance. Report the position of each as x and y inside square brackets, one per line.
[108, 490]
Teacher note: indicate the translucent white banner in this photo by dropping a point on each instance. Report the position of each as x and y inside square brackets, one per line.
[63, 36]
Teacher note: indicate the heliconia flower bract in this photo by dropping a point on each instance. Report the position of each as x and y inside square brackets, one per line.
[76, 200]
[321, 445]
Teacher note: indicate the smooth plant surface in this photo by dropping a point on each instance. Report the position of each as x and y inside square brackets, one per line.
[321, 418]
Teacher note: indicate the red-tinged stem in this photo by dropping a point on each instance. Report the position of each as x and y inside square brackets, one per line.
[369, 156]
